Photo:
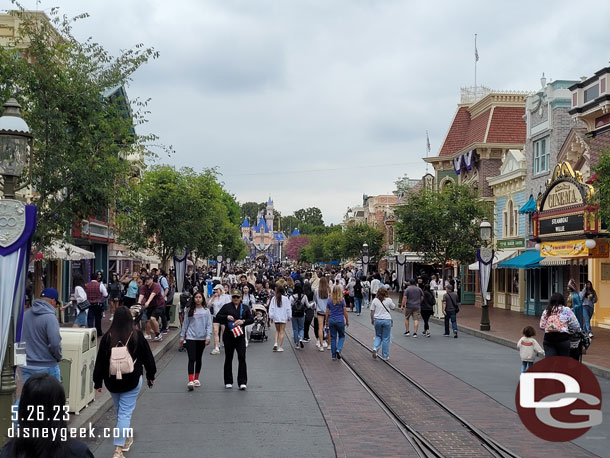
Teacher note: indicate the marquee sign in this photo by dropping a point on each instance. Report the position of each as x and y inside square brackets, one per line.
[564, 194]
[562, 225]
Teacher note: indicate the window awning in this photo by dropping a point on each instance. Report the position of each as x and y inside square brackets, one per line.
[526, 260]
[557, 261]
[529, 206]
[65, 252]
[499, 256]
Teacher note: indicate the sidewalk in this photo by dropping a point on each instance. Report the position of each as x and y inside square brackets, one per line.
[506, 327]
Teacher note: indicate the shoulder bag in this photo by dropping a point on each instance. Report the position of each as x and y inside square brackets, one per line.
[455, 306]
[386, 309]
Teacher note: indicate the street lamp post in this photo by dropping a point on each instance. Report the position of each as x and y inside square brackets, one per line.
[219, 259]
[15, 145]
[365, 258]
[485, 255]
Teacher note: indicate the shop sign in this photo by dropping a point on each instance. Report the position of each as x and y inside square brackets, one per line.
[574, 249]
[563, 194]
[563, 224]
[514, 243]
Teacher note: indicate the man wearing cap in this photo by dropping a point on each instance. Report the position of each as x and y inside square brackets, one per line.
[41, 336]
[151, 298]
[235, 316]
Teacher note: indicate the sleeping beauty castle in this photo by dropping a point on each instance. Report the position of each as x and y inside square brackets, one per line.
[265, 245]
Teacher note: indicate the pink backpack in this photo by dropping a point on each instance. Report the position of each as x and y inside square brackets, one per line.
[121, 361]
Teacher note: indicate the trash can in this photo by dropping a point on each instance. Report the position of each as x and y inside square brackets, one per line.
[79, 349]
[438, 308]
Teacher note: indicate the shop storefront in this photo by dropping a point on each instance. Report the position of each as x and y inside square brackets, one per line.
[570, 239]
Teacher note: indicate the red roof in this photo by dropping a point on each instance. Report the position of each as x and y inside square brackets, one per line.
[507, 126]
[598, 145]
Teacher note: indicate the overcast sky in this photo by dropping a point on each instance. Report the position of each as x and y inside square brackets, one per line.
[316, 102]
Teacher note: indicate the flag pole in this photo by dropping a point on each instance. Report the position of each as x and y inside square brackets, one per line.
[476, 58]
[427, 150]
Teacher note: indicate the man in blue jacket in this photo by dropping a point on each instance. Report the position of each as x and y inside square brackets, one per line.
[41, 336]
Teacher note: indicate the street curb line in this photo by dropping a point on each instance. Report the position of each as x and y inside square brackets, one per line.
[597, 370]
[94, 411]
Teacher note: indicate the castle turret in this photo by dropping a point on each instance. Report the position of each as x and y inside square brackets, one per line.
[269, 214]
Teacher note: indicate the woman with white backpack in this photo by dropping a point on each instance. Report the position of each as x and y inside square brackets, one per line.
[122, 354]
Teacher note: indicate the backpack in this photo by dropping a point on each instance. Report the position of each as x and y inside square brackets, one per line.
[298, 308]
[121, 361]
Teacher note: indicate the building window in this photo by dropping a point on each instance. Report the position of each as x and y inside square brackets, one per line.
[583, 271]
[541, 156]
[591, 93]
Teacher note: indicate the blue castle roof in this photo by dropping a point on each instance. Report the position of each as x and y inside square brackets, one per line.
[262, 226]
[295, 232]
[246, 223]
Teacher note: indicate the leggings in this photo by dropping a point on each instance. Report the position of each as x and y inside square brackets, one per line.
[426, 314]
[194, 350]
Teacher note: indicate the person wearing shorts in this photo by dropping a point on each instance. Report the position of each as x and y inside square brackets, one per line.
[411, 301]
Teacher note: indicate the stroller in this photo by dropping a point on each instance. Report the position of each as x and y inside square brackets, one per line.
[259, 333]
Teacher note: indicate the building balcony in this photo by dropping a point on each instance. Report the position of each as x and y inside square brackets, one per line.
[591, 100]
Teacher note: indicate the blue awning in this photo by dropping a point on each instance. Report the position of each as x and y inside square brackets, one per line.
[529, 207]
[526, 260]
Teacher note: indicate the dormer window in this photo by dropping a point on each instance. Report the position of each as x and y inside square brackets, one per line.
[591, 93]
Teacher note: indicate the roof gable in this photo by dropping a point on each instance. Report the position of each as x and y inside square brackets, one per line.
[515, 160]
[456, 137]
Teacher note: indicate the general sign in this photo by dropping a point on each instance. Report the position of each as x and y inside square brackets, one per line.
[563, 194]
[561, 225]
[513, 243]
[574, 249]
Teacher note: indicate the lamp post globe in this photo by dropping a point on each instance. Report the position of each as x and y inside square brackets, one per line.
[485, 230]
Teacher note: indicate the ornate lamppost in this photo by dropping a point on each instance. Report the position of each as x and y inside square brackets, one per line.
[219, 259]
[485, 255]
[17, 226]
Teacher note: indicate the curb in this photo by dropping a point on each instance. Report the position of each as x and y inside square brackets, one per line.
[94, 411]
[597, 370]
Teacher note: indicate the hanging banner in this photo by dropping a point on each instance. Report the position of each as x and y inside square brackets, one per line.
[457, 164]
[401, 260]
[468, 159]
[180, 267]
[485, 257]
[17, 226]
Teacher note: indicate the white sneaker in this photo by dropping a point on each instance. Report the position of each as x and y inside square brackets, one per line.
[147, 337]
[159, 338]
[318, 344]
[216, 351]
[320, 348]
[228, 386]
[324, 345]
[242, 387]
[280, 349]
[197, 383]
[190, 386]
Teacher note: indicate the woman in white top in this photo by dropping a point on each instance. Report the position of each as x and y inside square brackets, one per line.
[79, 297]
[321, 296]
[218, 299]
[280, 312]
[382, 320]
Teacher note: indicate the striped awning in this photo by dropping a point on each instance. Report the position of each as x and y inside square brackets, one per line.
[557, 261]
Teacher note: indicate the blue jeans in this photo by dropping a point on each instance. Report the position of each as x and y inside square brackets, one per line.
[124, 404]
[587, 313]
[450, 316]
[383, 336]
[337, 336]
[358, 302]
[298, 327]
[525, 365]
[26, 373]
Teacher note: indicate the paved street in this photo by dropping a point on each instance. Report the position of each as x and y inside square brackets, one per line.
[318, 408]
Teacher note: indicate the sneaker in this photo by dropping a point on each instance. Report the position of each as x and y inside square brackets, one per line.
[103, 314]
[590, 335]
[338, 355]
[407, 333]
[110, 319]
[128, 444]
[357, 314]
[197, 383]
[228, 386]
[318, 345]
[301, 344]
[242, 387]
[455, 334]
[159, 338]
[280, 349]
[374, 354]
[446, 335]
[415, 334]
[324, 345]
[305, 340]
[385, 359]
[427, 334]
[190, 386]
[147, 337]
[320, 348]
[216, 351]
[275, 347]
[334, 359]
[164, 331]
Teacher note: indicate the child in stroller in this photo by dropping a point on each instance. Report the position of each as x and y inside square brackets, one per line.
[258, 331]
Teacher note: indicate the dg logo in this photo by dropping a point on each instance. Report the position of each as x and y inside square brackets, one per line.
[559, 399]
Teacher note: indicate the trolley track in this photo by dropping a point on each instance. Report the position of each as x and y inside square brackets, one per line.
[433, 429]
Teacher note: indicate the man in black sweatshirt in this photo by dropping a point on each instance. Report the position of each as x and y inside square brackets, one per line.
[235, 316]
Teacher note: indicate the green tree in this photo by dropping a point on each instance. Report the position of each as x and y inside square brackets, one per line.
[310, 215]
[442, 226]
[83, 127]
[250, 210]
[355, 236]
[334, 246]
[289, 224]
[602, 187]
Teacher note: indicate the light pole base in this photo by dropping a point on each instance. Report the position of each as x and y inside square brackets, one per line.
[485, 326]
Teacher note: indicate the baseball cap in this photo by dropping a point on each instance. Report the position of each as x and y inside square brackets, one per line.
[236, 293]
[219, 286]
[50, 293]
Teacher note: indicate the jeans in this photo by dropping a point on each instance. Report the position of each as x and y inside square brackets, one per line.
[298, 326]
[94, 317]
[525, 365]
[587, 313]
[358, 302]
[337, 336]
[124, 404]
[450, 316]
[383, 336]
[27, 372]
